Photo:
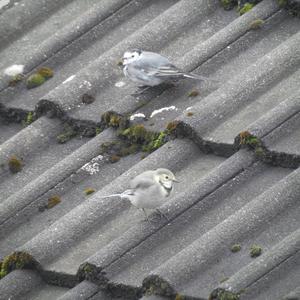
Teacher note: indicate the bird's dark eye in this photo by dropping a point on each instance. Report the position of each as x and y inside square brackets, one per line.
[167, 177]
[132, 55]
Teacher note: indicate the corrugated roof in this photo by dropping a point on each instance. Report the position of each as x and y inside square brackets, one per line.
[235, 149]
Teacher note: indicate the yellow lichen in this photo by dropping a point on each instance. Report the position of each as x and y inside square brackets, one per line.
[89, 191]
[45, 72]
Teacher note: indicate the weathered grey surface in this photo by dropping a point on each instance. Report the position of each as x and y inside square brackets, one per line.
[229, 193]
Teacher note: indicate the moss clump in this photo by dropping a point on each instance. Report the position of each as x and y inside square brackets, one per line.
[98, 130]
[235, 248]
[112, 119]
[130, 149]
[15, 164]
[114, 158]
[259, 151]
[189, 114]
[87, 99]
[247, 7]
[16, 260]
[221, 294]
[246, 138]
[89, 191]
[52, 201]
[193, 93]
[228, 4]
[35, 80]
[179, 297]
[156, 141]
[66, 135]
[16, 79]
[256, 24]
[148, 140]
[255, 251]
[172, 126]
[30, 118]
[45, 72]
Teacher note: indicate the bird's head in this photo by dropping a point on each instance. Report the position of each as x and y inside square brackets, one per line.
[131, 56]
[166, 177]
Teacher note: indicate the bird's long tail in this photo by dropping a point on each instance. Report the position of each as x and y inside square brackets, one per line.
[125, 194]
[198, 77]
[110, 196]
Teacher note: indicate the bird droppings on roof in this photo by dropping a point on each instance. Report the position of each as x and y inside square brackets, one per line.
[69, 79]
[159, 111]
[231, 229]
[137, 115]
[14, 70]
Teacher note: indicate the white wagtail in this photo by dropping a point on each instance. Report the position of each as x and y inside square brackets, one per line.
[151, 69]
[149, 189]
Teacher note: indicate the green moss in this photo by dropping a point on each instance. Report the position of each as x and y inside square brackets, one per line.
[30, 118]
[15, 164]
[228, 4]
[179, 297]
[259, 151]
[16, 260]
[157, 140]
[45, 72]
[135, 133]
[235, 248]
[256, 24]
[53, 201]
[112, 119]
[189, 114]
[255, 251]
[66, 135]
[246, 138]
[35, 80]
[221, 294]
[98, 130]
[87, 268]
[247, 7]
[89, 191]
[193, 93]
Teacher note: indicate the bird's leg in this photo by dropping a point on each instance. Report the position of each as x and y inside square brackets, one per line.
[146, 215]
[162, 214]
[141, 90]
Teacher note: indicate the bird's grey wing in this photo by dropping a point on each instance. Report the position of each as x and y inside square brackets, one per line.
[167, 71]
[141, 183]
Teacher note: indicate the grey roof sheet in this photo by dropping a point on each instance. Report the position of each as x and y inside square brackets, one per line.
[91, 248]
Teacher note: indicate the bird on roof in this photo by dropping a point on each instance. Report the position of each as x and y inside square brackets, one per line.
[150, 69]
[149, 189]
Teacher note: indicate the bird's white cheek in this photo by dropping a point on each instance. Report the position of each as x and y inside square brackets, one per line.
[168, 184]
